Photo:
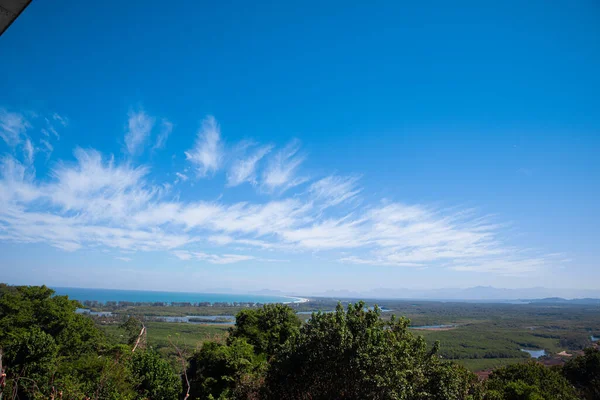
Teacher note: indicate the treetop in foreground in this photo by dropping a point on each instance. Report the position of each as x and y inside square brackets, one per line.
[49, 351]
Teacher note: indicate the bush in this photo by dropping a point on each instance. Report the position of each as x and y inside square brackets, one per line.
[528, 381]
[584, 373]
[220, 371]
[154, 376]
[353, 354]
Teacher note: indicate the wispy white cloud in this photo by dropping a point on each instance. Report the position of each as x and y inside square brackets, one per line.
[334, 190]
[96, 200]
[50, 123]
[64, 121]
[98, 188]
[224, 240]
[166, 127]
[183, 255]
[139, 126]
[221, 240]
[28, 151]
[48, 148]
[243, 169]
[50, 130]
[371, 261]
[212, 258]
[80, 206]
[281, 170]
[16, 183]
[207, 153]
[13, 127]
[126, 259]
[180, 177]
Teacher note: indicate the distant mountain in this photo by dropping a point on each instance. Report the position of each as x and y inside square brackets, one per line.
[560, 300]
[550, 300]
[481, 293]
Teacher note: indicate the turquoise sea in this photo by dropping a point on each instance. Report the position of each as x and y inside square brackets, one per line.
[146, 296]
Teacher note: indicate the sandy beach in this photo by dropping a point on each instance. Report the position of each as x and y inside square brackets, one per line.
[296, 300]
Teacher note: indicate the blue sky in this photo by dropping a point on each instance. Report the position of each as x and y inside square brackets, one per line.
[301, 146]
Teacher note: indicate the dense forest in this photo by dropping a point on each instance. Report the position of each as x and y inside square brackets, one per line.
[47, 351]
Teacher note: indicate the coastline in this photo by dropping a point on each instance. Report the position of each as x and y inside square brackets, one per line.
[105, 295]
[296, 300]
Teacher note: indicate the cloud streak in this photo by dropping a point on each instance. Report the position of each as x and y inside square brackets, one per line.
[206, 155]
[334, 190]
[243, 169]
[139, 126]
[280, 173]
[166, 127]
[28, 151]
[97, 201]
[13, 127]
[212, 258]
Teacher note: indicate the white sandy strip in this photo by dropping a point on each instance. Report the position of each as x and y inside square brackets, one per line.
[296, 300]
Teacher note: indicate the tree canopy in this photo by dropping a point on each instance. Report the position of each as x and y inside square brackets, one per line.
[529, 381]
[584, 373]
[268, 329]
[354, 354]
[49, 351]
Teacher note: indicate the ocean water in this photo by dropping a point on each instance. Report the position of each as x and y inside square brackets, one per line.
[104, 295]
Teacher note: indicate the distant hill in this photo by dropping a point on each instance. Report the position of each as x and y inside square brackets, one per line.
[560, 300]
[477, 293]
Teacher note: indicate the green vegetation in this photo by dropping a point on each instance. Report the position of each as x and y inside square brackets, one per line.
[489, 336]
[155, 378]
[49, 352]
[171, 311]
[159, 333]
[529, 381]
[483, 345]
[483, 364]
[485, 336]
[219, 371]
[354, 354]
[267, 329]
[161, 336]
[584, 373]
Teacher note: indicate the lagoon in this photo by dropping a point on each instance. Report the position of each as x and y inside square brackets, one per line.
[535, 353]
[202, 319]
[95, 313]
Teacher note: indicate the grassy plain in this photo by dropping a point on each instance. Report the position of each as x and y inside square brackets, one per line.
[484, 335]
[188, 335]
[160, 335]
